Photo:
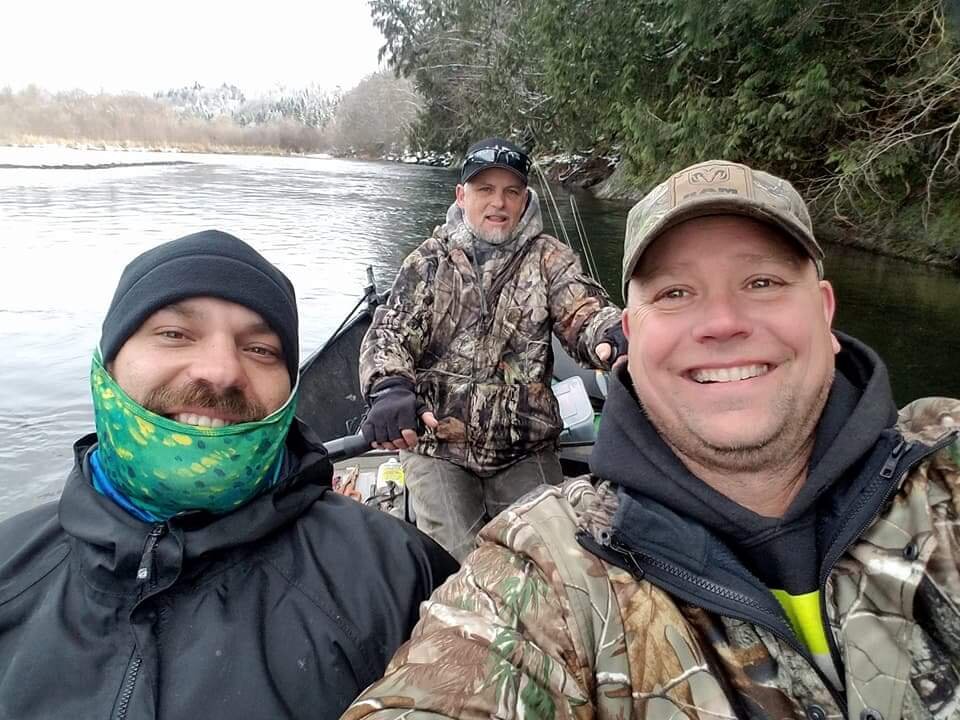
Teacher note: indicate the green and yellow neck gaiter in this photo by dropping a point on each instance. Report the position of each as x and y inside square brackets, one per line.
[164, 467]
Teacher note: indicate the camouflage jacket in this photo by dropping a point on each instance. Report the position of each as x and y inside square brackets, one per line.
[549, 618]
[474, 337]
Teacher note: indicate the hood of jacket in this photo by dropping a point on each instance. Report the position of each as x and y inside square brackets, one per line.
[455, 233]
[113, 541]
[664, 505]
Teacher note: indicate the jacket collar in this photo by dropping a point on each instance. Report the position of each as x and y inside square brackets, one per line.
[855, 430]
[457, 235]
[111, 542]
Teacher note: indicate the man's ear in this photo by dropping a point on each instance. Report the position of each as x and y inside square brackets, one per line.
[461, 190]
[625, 324]
[829, 301]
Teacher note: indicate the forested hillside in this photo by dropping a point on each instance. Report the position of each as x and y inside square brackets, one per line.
[858, 102]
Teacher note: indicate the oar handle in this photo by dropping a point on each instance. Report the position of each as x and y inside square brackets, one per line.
[346, 447]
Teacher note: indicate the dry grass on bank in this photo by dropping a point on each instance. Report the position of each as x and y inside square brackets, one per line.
[132, 121]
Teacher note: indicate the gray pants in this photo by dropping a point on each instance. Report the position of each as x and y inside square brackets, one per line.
[452, 504]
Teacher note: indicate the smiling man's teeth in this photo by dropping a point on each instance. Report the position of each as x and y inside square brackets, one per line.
[721, 375]
[199, 420]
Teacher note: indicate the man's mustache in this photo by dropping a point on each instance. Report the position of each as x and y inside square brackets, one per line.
[199, 394]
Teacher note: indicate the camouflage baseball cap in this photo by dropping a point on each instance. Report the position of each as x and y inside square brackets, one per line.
[717, 187]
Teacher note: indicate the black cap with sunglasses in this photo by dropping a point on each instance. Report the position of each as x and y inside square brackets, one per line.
[495, 152]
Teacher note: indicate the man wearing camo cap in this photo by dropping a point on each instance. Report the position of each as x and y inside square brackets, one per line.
[765, 536]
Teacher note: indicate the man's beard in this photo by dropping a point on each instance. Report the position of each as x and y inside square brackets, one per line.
[797, 428]
[491, 237]
[199, 394]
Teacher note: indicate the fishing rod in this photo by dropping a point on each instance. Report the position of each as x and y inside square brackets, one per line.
[346, 447]
[584, 241]
[350, 446]
[553, 210]
[560, 229]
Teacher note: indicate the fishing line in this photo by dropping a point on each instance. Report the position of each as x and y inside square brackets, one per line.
[552, 201]
[560, 229]
[592, 268]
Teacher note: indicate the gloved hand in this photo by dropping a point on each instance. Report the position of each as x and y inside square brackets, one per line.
[615, 342]
[391, 421]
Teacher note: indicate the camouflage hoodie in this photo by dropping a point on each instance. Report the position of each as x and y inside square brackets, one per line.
[473, 334]
[586, 602]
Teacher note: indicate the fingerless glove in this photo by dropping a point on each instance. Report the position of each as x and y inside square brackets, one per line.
[393, 408]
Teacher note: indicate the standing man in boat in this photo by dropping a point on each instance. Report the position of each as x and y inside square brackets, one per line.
[770, 539]
[463, 347]
[197, 563]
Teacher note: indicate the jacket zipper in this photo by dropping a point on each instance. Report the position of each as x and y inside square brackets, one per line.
[759, 617]
[837, 549]
[145, 570]
[483, 295]
[482, 324]
[128, 685]
[144, 573]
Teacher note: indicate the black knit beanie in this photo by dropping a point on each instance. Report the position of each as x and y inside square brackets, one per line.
[211, 263]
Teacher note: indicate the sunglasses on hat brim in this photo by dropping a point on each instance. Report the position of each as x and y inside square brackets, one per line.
[517, 161]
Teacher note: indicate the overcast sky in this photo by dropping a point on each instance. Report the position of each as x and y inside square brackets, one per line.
[155, 45]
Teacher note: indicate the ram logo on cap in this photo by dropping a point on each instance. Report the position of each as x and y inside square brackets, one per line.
[717, 187]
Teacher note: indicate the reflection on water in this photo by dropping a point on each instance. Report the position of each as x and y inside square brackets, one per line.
[65, 236]
[909, 313]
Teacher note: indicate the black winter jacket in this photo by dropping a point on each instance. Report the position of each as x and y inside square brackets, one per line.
[285, 608]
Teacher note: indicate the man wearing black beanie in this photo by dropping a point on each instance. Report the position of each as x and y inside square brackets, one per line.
[209, 263]
[193, 566]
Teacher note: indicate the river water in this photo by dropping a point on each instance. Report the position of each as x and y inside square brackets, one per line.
[66, 234]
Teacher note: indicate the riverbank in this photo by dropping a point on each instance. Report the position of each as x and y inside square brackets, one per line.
[910, 233]
[31, 142]
[36, 142]
[431, 158]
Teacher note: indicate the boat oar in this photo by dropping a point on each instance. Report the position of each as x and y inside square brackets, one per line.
[346, 447]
